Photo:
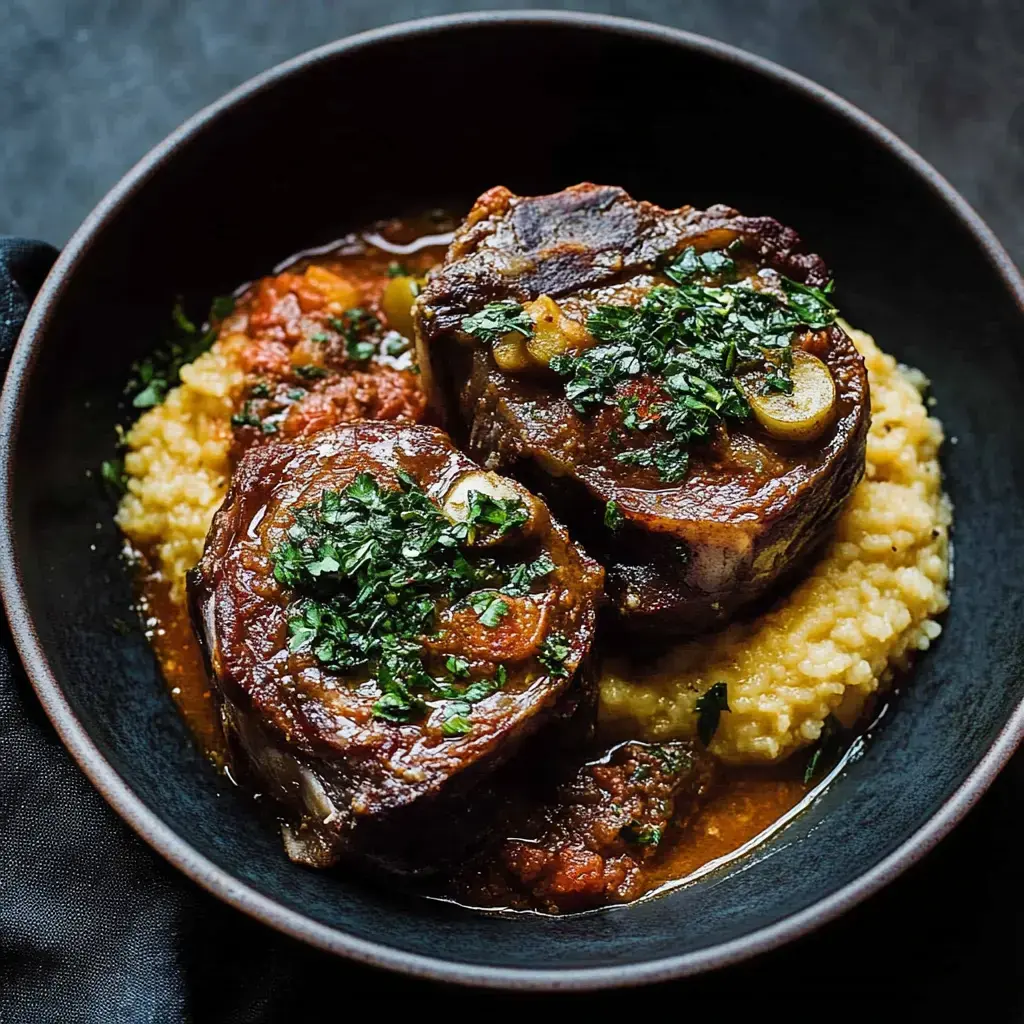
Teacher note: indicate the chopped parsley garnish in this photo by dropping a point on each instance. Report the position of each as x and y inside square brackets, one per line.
[521, 578]
[394, 344]
[643, 834]
[689, 265]
[503, 513]
[456, 720]
[260, 390]
[709, 707]
[692, 339]
[310, 371]
[489, 608]
[354, 325]
[155, 375]
[826, 749]
[553, 652]
[497, 319]
[371, 570]
[396, 269]
[113, 474]
[246, 417]
[632, 417]
[613, 517]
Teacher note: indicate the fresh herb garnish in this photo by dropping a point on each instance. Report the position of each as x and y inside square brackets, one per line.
[613, 517]
[504, 514]
[812, 304]
[553, 652]
[455, 720]
[521, 578]
[221, 308]
[489, 608]
[689, 265]
[354, 325]
[394, 344]
[709, 707]
[396, 269]
[245, 417]
[371, 570]
[497, 319]
[310, 371]
[632, 417]
[643, 834]
[155, 375]
[112, 473]
[826, 748]
[692, 339]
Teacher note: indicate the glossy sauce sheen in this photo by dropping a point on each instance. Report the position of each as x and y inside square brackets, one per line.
[742, 804]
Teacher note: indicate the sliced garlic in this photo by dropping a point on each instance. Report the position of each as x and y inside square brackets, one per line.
[456, 504]
[803, 414]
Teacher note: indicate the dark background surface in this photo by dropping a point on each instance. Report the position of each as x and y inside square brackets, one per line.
[87, 87]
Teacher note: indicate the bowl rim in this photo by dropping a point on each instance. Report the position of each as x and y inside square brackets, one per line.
[220, 882]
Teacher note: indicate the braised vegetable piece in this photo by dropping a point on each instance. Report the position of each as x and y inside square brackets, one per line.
[385, 623]
[803, 410]
[396, 303]
[321, 346]
[681, 368]
[588, 843]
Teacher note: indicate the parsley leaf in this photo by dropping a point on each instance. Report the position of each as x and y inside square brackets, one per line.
[826, 748]
[456, 720]
[354, 325]
[154, 376]
[643, 834]
[489, 608]
[553, 652]
[688, 265]
[113, 474]
[613, 517]
[504, 513]
[812, 304]
[497, 319]
[522, 577]
[310, 371]
[709, 707]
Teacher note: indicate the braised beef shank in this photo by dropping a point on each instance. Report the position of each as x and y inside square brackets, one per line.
[687, 554]
[353, 783]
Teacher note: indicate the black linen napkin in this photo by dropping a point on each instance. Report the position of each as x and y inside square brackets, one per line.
[88, 915]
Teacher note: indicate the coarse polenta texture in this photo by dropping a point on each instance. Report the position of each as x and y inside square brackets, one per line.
[178, 467]
[864, 608]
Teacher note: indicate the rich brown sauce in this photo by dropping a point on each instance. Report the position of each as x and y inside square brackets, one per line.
[744, 802]
[181, 661]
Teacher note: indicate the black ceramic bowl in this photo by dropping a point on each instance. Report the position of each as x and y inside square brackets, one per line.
[350, 132]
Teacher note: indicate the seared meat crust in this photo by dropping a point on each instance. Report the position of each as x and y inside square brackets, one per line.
[687, 555]
[352, 783]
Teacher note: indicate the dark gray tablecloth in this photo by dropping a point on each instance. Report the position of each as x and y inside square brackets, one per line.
[93, 926]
